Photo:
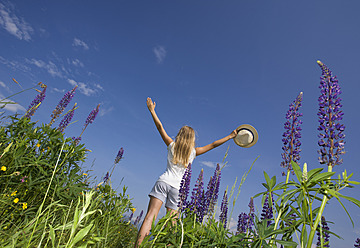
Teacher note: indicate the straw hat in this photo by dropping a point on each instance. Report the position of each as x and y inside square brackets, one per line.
[247, 136]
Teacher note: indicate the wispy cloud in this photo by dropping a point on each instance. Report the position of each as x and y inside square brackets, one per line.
[76, 62]
[13, 24]
[11, 105]
[160, 53]
[50, 67]
[58, 90]
[2, 84]
[82, 87]
[209, 164]
[79, 43]
[103, 111]
[15, 65]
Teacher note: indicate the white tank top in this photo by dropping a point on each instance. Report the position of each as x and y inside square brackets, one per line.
[174, 172]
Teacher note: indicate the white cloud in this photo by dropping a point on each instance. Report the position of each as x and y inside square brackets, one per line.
[99, 87]
[50, 67]
[82, 87]
[2, 84]
[14, 65]
[11, 105]
[103, 111]
[160, 53]
[80, 43]
[209, 164]
[58, 90]
[77, 63]
[14, 25]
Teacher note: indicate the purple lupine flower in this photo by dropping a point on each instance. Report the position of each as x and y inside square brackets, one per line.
[184, 188]
[76, 140]
[91, 117]
[292, 135]
[119, 155]
[62, 105]
[131, 216]
[331, 134]
[138, 219]
[66, 120]
[242, 223]
[224, 209]
[38, 99]
[197, 201]
[267, 212]
[251, 214]
[290, 219]
[212, 191]
[357, 243]
[106, 178]
[324, 233]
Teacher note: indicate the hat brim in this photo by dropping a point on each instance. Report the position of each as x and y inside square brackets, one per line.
[252, 130]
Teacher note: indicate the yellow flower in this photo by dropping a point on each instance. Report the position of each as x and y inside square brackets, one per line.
[133, 209]
[16, 200]
[85, 174]
[24, 206]
[13, 193]
[38, 144]
[3, 168]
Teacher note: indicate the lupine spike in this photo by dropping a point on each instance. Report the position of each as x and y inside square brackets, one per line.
[242, 223]
[197, 203]
[357, 243]
[66, 120]
[224, 209]
[35, 103]
[267, 213]
[119, 155]
[184, 188]
[251, 214]
[62, 105]
[331, 134]
[212, 191]
[324, 235]
[91, 117]
[292, 135]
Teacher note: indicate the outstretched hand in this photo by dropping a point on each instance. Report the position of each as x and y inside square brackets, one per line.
[150, 104]
[233, 134]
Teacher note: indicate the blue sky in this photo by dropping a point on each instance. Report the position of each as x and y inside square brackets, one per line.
[208, 64]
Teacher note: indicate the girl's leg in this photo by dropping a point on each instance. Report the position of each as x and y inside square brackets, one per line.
[152, 212]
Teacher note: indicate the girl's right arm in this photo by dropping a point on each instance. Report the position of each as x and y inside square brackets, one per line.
[151, 106]
[204, 149]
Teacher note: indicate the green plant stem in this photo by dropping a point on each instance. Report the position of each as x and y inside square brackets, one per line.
[318, 217]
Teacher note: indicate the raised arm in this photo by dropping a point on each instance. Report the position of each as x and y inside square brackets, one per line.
[151, 106]
[204, 149]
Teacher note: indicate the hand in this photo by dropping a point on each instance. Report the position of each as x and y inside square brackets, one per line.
[150, 104]
[233, 134]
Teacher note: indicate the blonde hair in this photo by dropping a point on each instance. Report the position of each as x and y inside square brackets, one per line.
[184, 144]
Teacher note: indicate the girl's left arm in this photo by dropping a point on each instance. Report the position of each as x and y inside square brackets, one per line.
[151, 106]
[204, 149]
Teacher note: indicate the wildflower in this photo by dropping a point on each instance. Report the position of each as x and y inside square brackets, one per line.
[13, 193]
[84, 174]
[184, 188]
[291, 136]
[197, 202]
[119, 155]
[212, 191]
[90, 119]
[24, 206]
[62, 105]
[3, 168]
[23, 179]
[133, 210]
[224, 209]
[66, 120]
[331, 136]
[324, 236]
[138, 219]
[15, 81]
[106, 178]
[267, 212]
[357, 243]
[38, 145]
[251, 214]
[76, 140]
[242, 223]
[16, 200]
[131, 216]
[36, 102]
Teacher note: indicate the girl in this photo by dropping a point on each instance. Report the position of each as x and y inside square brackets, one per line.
[180, 154]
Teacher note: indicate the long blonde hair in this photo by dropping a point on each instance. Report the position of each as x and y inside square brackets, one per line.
[184, 144]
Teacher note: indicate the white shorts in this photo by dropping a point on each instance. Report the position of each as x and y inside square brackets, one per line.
[164, 191]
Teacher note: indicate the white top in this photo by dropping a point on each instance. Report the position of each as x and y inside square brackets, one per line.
[174, 172]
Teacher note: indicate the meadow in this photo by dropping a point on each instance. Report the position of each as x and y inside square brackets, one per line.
[48, 199]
